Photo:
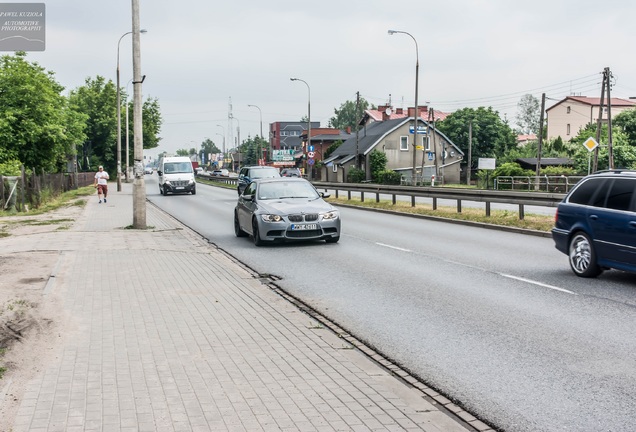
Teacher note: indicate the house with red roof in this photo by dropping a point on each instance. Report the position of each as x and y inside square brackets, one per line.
[568, 116]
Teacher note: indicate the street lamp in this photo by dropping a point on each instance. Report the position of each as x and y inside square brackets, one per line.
[417, 111]
[119, 114]
[308, 118]
[261, 116]
[223, 140]
[128, 167]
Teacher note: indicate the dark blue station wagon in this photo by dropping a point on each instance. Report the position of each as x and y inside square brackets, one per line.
[595, 225]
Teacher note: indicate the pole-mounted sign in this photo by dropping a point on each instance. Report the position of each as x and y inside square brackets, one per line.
[22, 27]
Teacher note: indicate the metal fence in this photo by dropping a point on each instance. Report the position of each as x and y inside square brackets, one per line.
[24, 192]
[554, 184]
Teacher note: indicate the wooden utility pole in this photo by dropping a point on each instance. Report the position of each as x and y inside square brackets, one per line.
[357, 128]
[610, 148]
[540, 140]
[599, 121]
[469, 166]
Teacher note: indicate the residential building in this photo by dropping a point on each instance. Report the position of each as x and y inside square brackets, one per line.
[286, 135]
[436, 156]
[568, 116]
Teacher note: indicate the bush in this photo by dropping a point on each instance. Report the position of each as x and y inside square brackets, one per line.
[356, 175]
[389, 177]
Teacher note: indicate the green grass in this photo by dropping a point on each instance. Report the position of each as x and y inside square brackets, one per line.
[70, 198]
[497, 217]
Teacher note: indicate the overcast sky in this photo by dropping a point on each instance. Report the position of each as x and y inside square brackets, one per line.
[198, 54]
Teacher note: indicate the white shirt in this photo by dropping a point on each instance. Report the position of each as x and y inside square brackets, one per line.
[101, 177]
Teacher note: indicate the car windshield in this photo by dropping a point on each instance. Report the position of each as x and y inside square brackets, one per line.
[278, 190]
[177, 167]
[265, 173]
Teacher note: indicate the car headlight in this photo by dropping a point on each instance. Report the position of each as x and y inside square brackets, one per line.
[271, 218]
[330, 215]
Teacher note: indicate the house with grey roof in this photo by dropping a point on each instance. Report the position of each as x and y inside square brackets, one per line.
[435, 153]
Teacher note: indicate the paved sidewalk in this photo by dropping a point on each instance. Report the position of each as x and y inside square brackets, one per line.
[166, 333]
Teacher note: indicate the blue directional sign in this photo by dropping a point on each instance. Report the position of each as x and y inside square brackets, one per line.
[310, 148]
[421, 130]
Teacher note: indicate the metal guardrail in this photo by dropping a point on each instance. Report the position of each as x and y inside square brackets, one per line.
[522, 199]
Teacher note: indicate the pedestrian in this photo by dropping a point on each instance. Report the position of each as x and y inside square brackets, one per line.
[101, 183]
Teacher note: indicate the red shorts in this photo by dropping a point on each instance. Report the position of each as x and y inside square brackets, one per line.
[102, 189]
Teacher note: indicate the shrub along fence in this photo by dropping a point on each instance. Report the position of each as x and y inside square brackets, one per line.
[29, 191]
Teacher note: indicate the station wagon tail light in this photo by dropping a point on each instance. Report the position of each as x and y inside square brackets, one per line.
[330, 215]
[271, 218]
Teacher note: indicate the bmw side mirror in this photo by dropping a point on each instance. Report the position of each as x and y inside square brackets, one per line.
[325, 194]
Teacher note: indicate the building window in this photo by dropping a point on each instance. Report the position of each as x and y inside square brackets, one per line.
[284, 133]
[294, 133]
[404, 143]
[426, 143]
[568, 129]
[568, 110]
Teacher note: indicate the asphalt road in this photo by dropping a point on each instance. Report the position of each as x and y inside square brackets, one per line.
[492, 319]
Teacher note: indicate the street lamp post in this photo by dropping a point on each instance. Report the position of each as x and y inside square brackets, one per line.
[128, 167]
[310, 171]
[259, 142]
[119, 115]
[223, 148]
[417, 111]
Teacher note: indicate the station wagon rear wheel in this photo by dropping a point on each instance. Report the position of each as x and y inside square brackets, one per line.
[583, 257]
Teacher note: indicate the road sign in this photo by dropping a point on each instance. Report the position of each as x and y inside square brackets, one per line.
[311, 154]
[310, 148]
[310, 161]
[421, 130]
[430, 155]
[590, 144]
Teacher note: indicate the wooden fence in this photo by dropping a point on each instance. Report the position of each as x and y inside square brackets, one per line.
[24, 192]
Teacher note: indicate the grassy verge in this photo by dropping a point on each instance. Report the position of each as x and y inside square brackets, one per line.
[497, 217]
[73, 197]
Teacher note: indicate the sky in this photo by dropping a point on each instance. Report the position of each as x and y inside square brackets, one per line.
[201, 55]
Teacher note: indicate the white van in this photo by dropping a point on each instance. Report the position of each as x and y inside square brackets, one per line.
[176, 175]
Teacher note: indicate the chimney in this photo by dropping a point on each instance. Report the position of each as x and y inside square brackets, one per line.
[399, 110]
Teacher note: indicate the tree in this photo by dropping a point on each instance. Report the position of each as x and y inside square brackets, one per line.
[529, 114]
[183, 152]
[492, 137]
[38, 128]
[97, 99]
[208, 147]
[624, 152]
[626, 121]
[347, 115]
[377, 162]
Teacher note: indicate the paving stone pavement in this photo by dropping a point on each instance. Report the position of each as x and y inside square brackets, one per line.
[167, 333]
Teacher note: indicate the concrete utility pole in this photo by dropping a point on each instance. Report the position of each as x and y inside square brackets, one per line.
[139, 185]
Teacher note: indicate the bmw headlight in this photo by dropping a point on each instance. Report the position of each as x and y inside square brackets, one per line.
[330, 215]
[271, 218]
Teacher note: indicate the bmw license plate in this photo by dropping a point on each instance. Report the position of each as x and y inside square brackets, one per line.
[303, 227]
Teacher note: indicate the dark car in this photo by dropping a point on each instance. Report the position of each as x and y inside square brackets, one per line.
[284, 209]
[249, 173]
[290, 172]
[595, 225]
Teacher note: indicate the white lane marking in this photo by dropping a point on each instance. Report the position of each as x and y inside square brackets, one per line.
[530, 281]
[394, 247]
